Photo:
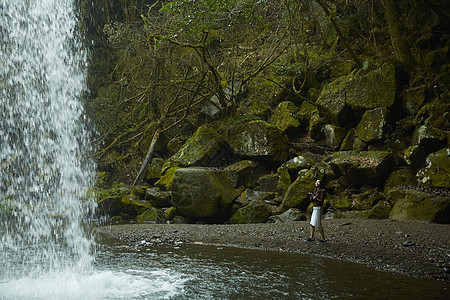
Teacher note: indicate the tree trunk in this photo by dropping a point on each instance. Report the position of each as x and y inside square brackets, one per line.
[401, 49]
[339, 33]
[147, 160]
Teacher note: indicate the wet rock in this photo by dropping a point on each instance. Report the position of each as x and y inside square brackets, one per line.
[429, 138]
[414, 98]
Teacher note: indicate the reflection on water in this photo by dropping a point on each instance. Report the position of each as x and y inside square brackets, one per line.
[207, 272]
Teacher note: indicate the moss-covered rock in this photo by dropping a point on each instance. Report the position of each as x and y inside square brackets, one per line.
[245, 173]
[165, 182]
[285, 118]
[158, 198]
[419, 206]
[343, 203]
[373, 124]
[316, 124]
[375, 89]
[332, 102]
[347, 142]
[413, 99]
[429, 138]
[284, 181]
[415, 157]
[400, 178]
[258, 139]
[297, 194]
[154, 170]
[255, 212]
[380, 211]
[170, 214]
[200, 193]
[291, 215]
[199, 150]
[152, 215]
[437, 170]
[304, 113]
[268, 183]
[334, 135]
[360, 168]
[110, 206]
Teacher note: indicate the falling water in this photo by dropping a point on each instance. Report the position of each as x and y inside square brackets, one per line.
[44, 169]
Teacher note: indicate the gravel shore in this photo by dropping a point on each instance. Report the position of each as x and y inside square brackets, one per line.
[415, 249]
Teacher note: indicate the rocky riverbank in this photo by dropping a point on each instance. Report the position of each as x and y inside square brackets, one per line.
[415, 249]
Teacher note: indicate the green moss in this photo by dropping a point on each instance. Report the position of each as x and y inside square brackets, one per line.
[151, 215]
[165, 182]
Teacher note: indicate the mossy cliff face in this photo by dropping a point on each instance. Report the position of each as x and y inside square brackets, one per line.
[373, 126]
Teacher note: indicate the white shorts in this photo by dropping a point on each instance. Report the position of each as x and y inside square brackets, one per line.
[316, 218]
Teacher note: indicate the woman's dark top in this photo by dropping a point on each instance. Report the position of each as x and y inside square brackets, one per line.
[318, 197]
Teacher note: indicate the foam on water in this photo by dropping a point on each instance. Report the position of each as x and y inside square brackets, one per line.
[155, 284]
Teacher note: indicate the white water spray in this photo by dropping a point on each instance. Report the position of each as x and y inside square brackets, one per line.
[44, 168]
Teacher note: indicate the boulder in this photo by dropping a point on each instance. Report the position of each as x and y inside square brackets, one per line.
[284, 117]
[158, 198]
[249, 195]
[437, 170]
[152, 215]
[375, 89]
[316, 123]
[429, 138]
[154, 170]
[347, 142]
[200, 193]
[268, 183]
[413, 99]
[200, 150]
[259, 140]
[415, 157]
[332, 102]
[380, 211]
[400, 178]
[291, 215]
[413, 205]
[245, 173]
[304, 113]
[362, 167]
[334, 135]
[110, 206]
[165, 182]
[256, 211]
[372, 125]
[297, 194]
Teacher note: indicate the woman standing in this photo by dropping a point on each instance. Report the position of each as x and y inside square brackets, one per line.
[317, 197]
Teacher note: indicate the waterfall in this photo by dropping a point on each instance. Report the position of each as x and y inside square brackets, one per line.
[45, 171]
